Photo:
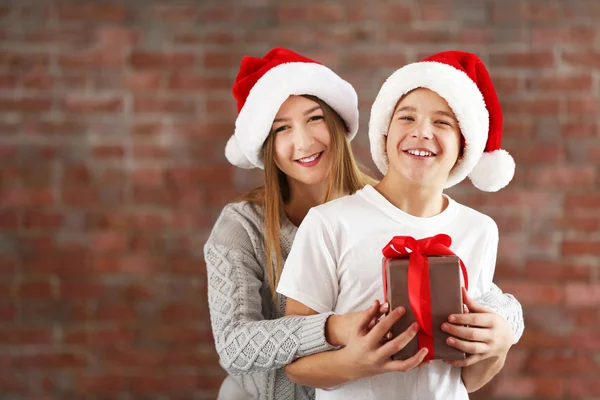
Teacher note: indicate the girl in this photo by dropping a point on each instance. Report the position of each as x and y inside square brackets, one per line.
[296, 118]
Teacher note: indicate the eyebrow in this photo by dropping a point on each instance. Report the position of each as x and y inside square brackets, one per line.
[315, 108]
[438, 112]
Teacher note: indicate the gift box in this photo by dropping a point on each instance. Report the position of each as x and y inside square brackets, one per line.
[423, 276]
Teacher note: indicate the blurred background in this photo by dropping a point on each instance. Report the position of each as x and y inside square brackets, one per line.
[113, 121]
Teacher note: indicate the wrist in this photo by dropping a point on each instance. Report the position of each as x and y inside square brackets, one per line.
[331, 330]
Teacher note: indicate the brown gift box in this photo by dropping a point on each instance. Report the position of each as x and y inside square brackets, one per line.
[446, 299]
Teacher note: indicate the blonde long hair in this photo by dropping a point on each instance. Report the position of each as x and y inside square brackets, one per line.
[345, 177]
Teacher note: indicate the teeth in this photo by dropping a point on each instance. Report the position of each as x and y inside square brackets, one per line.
[309, 159]
[420, 153]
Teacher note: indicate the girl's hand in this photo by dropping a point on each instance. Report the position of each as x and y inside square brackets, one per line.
[338, 328]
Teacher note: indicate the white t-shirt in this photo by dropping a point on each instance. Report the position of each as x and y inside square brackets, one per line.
[335, 265]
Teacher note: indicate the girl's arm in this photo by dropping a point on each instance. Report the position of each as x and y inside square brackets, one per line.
[245, 341]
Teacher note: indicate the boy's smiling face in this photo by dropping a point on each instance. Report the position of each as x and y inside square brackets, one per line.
[424, 140]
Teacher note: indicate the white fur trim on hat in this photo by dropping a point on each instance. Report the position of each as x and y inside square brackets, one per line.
[234, 154]
[461, 94]
[256, 117]
[493, 171]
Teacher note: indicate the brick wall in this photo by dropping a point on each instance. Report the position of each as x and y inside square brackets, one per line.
[113, 121]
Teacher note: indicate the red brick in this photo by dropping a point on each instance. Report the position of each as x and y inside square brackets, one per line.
[134, 358]
[583, 106]
[536, 153]
[563, 176]
[529, 387]
[214, 59]
[26, 336]
[176, 13]
[8, 313]
[581, 247]
[144, 81]
[105, 151]
[156, 105]
[89, 104]
[551, 364]
[581, 388]
[52, 360]
[541, 270]
[372, 59]
[531, 107]
[579, 130]
[574, 35]
[100, 383]
[587, 58]
[582, 201]
[581, 294]
[149, 129]
[562, 83]
[42, 220]
[194, 82]
[92, 13]
[109, 241]
[93, 60]
[183, 176]
[22, 61]
[151, 152]
[222, 36]
[533, 293]
[13, 381]
[585, 341]
[536, 59]
[580, 224]
[35, 289]
[54, 127]
[25, 105]
[135, 264]
[217, 13]
[81, 290]
[183, 311]
[102, 337]
[116, 313]
[150, 60]
[10, 219]
[417, 36]
[80, 197]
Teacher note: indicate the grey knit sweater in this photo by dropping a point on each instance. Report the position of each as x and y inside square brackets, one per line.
[252, 337]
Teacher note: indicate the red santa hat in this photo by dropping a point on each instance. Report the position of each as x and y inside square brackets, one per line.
[264, 84]
[463, 81]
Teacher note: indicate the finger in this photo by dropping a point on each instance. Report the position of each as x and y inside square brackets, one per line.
[469, 333]
[399, 342]
[366, 316]
[385, 325]
[471, 304]
[372, 324]
[406, 365]
[470, 360]
[465, 309]
[480, 320]
[384, 308]
[468, 347]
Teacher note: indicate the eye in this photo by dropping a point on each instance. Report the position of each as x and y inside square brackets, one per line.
[315, 118]
[441, 122]
[407, 118]
[281, 129]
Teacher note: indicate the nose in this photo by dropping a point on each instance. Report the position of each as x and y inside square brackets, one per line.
[423, 131]
[302, 138]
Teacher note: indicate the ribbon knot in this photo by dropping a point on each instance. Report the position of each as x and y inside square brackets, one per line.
[419, 290]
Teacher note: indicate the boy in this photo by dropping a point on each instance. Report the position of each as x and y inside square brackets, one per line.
[433, 123]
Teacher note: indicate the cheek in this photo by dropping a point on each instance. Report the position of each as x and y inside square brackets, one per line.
[281, 149]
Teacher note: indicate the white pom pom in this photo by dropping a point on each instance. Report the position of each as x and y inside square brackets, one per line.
[234, 154]
[493, 171]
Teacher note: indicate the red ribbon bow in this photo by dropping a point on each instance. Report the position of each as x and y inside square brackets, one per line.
[419, 290]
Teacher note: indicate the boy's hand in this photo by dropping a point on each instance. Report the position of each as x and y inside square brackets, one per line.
[368, 354]
[486, 335]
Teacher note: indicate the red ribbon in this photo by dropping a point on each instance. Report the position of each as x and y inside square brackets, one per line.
[419, 290]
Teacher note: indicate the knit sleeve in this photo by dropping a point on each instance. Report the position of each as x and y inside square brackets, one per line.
[507, 306]
[245, 341]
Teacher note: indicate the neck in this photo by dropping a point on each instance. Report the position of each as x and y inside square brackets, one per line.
[303, 197]
[413, 198]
